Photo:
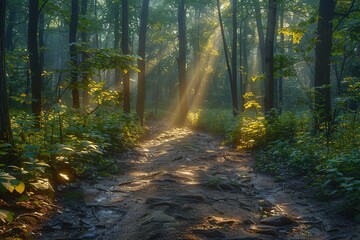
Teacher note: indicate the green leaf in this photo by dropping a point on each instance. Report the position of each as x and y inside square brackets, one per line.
[6, 216]
[8, 186]
[20, 188]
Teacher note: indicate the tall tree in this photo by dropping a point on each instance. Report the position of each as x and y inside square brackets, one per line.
[140, 104]
[9, 45]
[183, 107]
[261, 34]
[116, 6]
[282, 52]
[269, 57]
[42, 41]
[226, 52]
[244, 70]
[35, 66]
[322, 63]
[125, 50]
[234, 94]
[73, 55]
[5, 127]
[85, 55]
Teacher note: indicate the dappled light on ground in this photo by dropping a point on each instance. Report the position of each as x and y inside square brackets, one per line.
[182, 184]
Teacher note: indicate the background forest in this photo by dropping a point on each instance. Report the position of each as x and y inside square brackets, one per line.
[80, 78]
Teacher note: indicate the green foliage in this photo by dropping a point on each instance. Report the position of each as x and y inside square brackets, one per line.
[342, 174]
[107, 58]
[10, 183]
[330, 163]
[68, 144]
[219, 122]
[287, 147]
[284, 65]
[248, 133]
[6, 216]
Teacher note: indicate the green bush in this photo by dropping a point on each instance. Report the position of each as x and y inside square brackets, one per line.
[70, 140]
[219, 122]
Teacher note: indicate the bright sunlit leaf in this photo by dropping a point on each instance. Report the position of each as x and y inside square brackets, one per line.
[20, 188]
[64, 176]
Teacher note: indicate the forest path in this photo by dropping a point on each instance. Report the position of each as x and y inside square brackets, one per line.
[182, 184]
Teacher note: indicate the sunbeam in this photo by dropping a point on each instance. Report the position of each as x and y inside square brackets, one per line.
[199, 82]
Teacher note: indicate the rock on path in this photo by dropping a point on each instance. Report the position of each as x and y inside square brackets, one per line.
[182, 184]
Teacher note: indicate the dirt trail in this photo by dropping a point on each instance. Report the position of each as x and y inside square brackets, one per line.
[183, 184]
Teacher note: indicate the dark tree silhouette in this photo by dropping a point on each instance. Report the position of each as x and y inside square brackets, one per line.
[269, 57]
[261, 34]
[117, 41]
[234, 92]
[9, 44]
[125, 50]
[35, 66]
[322, 63]
[5, 127]
[85, 56]
[183, 106]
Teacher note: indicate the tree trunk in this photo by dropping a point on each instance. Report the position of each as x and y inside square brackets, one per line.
[85, 40]
[234, 94]
[125, 50]
[9, 45]
[140, 104]
[73, 54]
[269, 58]
[42, 44]
[183, 105]
[35, 66]
[243, 61]
[282, 52]
[226, 52]
[5, 127]
[117, 42]
[322, 63]
[261, 35]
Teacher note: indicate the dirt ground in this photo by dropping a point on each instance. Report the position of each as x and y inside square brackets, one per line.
[183, 184]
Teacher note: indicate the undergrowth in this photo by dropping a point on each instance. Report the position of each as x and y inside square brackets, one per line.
[69, 145]
[287, 147]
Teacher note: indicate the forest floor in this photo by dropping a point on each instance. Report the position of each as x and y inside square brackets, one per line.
[184, 184]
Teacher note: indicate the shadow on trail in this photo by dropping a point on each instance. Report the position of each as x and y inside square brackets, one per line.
[180, 184]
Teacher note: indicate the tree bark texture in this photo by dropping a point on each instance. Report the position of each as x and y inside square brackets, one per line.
[322, 63]
[117, 41]
[282, 51]
[9, 45]
[125, 50]
[244, 71]
[73, 53]
[183, 107]
[140, 103]
[269, 58]
[261, 35]
[234, 92]
[85, 56]
[42, 41]
[34, 60]
[5, 127]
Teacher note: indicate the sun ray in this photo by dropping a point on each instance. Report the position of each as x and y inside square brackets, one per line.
[199, 82]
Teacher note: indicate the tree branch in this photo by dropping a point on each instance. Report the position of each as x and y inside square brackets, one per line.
[42, 6]
[345, 15]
